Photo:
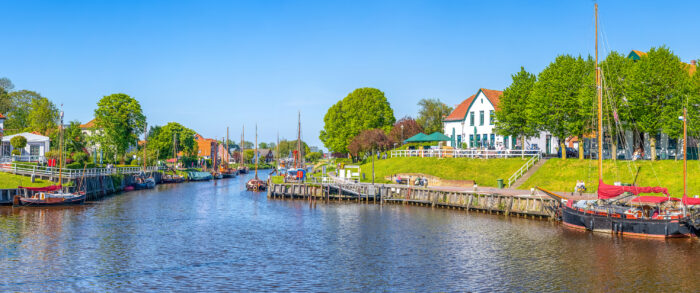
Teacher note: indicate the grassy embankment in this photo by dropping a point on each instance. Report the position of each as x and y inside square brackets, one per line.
[483, 172]
[9, 181]
[561, 175]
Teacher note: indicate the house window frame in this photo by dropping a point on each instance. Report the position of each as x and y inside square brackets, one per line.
[481, 117]
[471, 118]
[492, 116]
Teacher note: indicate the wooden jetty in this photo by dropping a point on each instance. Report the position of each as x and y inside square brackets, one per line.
[489, 202]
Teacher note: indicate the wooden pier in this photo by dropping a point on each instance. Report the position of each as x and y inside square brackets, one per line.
[491, 202]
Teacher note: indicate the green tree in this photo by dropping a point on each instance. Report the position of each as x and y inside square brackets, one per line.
[286, 147]
[615, 73]
[558, 103]
[73, 138]
[364, 108]
[313, 156]
[18, 116]
[512, 117]
[18, 143]
[430, 114]
[121, 120]
[404, 128]
[658, 87]
[6, 87]
[263, 145]
[163, 140]
[43, 115]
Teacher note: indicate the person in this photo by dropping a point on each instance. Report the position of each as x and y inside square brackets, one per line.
[636, 155]
[580, 187]
[425, 181]
[398, 179]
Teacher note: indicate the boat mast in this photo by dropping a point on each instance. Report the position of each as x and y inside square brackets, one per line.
[145, 139]
[277, 157]
[240, 160]
[685, 151]
[600, 101]
[299, 143]
[60, 148]
[255, 154]
[226, 151]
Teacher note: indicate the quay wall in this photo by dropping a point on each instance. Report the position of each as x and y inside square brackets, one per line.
[516, 205]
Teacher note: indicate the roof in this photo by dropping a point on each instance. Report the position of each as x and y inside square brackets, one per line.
[636, 55]
[460, 112]
[420, 137]
[437, 136]
[31, 137]
[90, 124]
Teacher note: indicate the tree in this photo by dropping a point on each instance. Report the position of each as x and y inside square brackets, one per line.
[286, 147]
[121, 120]
[558, 103]
[263, 145]
[404, 128]
[657, 90]
[364, 108]
[6, 87]
[370, 140]
[21, 105]
[18, 142]
[163, 140]
[74, 138]
[431, 113]
[512, 118]
[313, 156]
[43, 115]
[615, 73]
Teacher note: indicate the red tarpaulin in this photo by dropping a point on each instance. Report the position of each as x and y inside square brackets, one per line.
[691, 201]
[653, 199]
[42, 189]
[606, 191]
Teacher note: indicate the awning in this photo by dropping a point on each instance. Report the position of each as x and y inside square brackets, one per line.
[691, 201]
[653, 199]
[437, 136]
[42, 189]
[420, 137]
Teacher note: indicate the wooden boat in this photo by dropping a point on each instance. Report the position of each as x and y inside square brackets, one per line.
[50, 196]
[644, 216]
[143, 181]
[172, 178]
[199, 176]
[256, 184]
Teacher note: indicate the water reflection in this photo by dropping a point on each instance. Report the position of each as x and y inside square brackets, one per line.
[216, 236]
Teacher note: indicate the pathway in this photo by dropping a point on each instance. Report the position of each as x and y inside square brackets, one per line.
[529, 173]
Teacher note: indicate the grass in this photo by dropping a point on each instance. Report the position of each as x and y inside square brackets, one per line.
[277, 179]
[9, 181]
[561, 175]
[483, 172]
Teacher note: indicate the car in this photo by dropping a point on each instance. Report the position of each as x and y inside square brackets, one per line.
[570, 153]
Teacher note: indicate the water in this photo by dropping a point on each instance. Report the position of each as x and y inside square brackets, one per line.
[215, 236]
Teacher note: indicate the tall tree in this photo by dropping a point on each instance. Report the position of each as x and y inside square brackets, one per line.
[369, 140]
[288, 146]
[512, 118]
[430, 114]
[364, 108]
[43, 115]
[657, 89]
[18, 116]
[6, 87]
[74, 138]
[558, 104]
[121, 120]
[164, 137]
[615, 73]
[404, 128]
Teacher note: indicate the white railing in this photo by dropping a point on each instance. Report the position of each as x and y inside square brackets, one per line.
[531, 162]
[465, 153]
[25, 158]
[25, 169]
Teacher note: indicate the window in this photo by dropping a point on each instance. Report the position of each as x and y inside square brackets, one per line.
[481, 117]
[486, 140]
[492, 117]
[493, 139]
[471, 140]
[505, 141]
[672, 143]
[477, 142]
[459, 141]
[471, 118]
[33, 150]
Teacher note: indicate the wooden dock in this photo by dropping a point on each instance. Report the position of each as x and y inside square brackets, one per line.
[488, 202]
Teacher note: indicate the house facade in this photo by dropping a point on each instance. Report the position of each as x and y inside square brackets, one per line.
[471, 125]
[37, 145]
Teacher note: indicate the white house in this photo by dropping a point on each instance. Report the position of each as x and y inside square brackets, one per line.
[472, 124]
[89, 129]
[37, 145]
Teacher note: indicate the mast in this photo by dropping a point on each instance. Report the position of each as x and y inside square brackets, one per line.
[255, 154]
[685, 151]
[240, 160]
[145, 139]
[277, 157]
[60, 148]
[600, 101]
[175, 148]
[226, 152]
[299, 143]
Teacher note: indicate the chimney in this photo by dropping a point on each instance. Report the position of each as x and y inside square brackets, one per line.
[693, 62]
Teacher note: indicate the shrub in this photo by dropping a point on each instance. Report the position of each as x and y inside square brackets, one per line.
[79, 157]
[51, 155]
[18, 142]
[16, 152]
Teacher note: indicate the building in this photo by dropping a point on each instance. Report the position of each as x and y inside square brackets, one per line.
[266, 155]
[90, 130]
[37, 145]
[2, 124]
[205, 146]
[472, 123]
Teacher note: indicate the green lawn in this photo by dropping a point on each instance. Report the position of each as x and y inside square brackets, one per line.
[8, 181]
[483, 172]
[561, 175]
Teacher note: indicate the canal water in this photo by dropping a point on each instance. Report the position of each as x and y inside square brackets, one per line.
[215, 236]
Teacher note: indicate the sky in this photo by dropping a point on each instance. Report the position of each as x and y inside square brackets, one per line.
[213, 64]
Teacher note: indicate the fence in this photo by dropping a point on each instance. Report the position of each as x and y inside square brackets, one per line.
[26, 169]
[531, 162]
[7, 159]
[465, 153]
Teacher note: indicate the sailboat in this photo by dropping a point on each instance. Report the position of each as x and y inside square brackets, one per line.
[298, 172]
[256, 184]
[142, 180]
[225, 169]
[52, 195]
[644, 216]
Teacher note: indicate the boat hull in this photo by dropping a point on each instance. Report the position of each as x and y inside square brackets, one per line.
[671, 228]
[52, 201]
[256, 185]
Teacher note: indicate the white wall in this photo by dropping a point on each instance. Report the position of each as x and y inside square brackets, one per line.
[465, 128]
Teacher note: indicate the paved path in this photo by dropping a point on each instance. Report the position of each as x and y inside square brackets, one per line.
[529, 173]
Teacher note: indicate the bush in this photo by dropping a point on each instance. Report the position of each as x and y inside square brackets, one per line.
[18, 142]
[79, 165]
[51, 155]
[79, 157]
[16, 152]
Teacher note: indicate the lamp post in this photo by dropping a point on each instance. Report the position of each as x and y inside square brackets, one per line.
[401, 133]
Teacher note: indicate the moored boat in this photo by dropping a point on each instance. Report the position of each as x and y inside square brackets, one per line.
[198, 176]
[256, 184]
[49, 196]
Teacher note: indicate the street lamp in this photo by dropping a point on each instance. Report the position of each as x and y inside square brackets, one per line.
[401, 133]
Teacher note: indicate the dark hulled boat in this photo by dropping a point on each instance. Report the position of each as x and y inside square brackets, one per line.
[256, 184]
[50, 196]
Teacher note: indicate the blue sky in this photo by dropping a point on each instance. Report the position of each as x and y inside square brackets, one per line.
[212, 64]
